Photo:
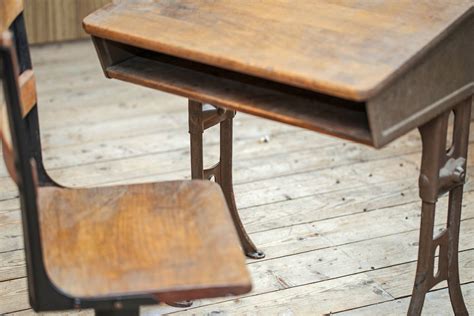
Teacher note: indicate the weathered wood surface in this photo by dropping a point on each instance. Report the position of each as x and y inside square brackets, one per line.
[303, 196]
[143, 238]
[348, 49]
[27, 85]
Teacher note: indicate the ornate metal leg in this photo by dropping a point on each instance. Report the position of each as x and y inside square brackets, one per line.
[441, 171]
[201, 118]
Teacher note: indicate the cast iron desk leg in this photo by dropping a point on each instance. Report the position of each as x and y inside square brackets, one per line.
[200, 119]
[442, 170]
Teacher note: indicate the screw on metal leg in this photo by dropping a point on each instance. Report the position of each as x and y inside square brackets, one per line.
[441, 172]
[200, 120]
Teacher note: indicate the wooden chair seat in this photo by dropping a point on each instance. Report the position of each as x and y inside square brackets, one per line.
[143, 238]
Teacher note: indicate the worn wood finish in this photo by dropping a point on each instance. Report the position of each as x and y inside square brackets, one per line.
[27, 86]
[27, 83]
[350, 49]
[149, 238]
[9, 10]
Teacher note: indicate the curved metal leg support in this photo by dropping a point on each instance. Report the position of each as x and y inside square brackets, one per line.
[199, 120]
[442, 171]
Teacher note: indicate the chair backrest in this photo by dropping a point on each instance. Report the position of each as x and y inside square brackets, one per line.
[18, 156]
[19, 134]
[11, 18]
[43, 294]
[10, 11]
[13, 133]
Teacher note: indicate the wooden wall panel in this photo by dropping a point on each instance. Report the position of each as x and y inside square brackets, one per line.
[57, 20]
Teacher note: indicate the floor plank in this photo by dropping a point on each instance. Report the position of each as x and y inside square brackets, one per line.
[435, 304]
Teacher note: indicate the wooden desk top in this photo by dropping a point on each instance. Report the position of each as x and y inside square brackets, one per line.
[346, 48]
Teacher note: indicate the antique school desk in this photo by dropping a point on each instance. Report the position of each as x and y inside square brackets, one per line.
[366, 71]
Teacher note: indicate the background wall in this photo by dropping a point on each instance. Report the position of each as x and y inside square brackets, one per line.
[57, 20]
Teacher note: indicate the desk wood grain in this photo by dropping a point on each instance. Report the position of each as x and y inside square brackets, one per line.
[344, 48]
[141, 238]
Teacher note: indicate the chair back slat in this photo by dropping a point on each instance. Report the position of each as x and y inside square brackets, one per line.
[27, 82]
[27, 85]
[9, 10]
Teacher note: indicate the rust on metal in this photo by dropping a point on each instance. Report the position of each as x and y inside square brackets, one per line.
[202, 117]
[442, 171]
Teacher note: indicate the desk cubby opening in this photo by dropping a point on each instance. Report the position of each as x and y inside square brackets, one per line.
[237, 91]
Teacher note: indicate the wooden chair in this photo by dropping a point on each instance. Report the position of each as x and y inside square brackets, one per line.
[111, 249]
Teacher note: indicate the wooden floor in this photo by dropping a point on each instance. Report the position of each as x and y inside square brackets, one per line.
[338, 221]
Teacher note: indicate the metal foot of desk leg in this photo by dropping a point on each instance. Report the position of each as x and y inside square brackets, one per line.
[442, 170]
[200, 120]
[180, 304]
